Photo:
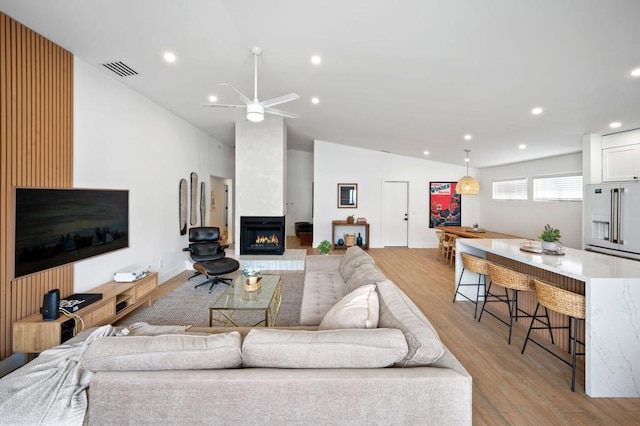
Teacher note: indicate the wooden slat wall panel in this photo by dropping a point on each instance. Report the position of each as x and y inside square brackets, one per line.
[36, 136]
[527, 300]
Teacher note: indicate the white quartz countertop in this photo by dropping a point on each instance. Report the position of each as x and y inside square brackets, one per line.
[579, 264]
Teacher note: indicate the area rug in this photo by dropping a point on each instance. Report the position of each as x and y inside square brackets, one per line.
[187, 305]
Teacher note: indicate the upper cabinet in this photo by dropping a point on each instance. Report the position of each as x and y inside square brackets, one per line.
[621, 156]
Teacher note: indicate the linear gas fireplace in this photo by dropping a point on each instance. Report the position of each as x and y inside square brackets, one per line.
[262, 235]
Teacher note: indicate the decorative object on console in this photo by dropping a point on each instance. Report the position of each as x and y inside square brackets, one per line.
[359, 239]
[467, 185]
[194, 198]
[350, 219]
[347, 195]
[324, 247]
[182, 206]
[361, 220]
[50, 305]
[350, 239]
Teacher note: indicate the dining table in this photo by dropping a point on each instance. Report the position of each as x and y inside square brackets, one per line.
[470, 232]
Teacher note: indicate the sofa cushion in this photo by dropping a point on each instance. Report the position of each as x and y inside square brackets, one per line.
[364, 274]
[165, 352]
[358, 309]
[397, 310]
[322, 290]
[348, 348]
[353, 257]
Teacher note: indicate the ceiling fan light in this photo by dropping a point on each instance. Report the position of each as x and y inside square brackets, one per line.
[255, 113]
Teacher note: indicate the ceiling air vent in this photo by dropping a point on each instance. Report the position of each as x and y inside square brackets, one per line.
[120, 68]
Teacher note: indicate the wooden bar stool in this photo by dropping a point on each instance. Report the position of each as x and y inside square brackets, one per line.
[473, 264]
[564, 302]
[449, 244]
[509, 280]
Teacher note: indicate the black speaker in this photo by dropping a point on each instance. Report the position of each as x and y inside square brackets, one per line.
[50, 305]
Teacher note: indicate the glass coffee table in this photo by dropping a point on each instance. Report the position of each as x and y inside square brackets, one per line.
[234, 304]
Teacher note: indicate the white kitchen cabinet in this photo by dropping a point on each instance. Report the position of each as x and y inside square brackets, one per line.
[621, 163]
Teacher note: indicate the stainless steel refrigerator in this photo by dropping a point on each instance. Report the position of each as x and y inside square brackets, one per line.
[612, 220]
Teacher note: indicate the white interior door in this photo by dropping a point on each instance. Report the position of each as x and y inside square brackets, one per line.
[395, 209]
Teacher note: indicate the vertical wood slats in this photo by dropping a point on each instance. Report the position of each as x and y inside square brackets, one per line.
[527, 300]
[36, 149]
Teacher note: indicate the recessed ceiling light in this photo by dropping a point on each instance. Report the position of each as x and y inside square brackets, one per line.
[522, 146]
[315, 100]
[536, 111]
[169, 57]
[315, 59]
[467, 137]
[213, 98]
[426, 153]
[635, 73]
[615, 124]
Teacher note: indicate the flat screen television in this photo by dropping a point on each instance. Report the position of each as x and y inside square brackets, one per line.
[54, 227]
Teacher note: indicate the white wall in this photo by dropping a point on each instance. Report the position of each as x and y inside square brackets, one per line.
[335, 163]
[527, 218]
[261, 155]
[123, 140]
[299, 188]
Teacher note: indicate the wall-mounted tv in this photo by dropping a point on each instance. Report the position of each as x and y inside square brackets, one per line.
[54, 227]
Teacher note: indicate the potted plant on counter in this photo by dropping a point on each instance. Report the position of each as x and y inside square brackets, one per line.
[324, 247]
[550, 238]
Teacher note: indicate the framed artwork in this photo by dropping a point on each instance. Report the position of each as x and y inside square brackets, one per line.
[445, 204]
[347, 195]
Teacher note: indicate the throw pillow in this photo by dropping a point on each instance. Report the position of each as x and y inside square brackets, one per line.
[165, 352]
[274, 348]
[358, 309]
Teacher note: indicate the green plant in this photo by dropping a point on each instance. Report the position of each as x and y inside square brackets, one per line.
[324, 247]
[251, 272]
[550, 234]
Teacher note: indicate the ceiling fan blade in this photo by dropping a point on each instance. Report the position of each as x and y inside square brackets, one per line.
[243, 97]
[280, 112]
[279, 100]
[224, 105]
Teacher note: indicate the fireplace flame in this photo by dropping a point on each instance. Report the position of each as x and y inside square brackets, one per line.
[263, 239]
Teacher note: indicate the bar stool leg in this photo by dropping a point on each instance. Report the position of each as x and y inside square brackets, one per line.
[575, 340]
[511, 310]
[458, 286]
[484, 279]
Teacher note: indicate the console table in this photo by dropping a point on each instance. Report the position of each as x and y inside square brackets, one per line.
[611, 286]
[344, 227]
[33, 335]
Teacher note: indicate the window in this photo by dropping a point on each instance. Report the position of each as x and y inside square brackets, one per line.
[510, 189]
[558, 188]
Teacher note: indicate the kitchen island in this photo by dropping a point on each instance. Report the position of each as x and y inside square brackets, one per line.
[611, 286]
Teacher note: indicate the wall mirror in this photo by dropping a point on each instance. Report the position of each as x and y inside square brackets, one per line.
[347, 195]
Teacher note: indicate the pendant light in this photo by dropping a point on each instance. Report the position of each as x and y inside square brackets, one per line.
[467, 185]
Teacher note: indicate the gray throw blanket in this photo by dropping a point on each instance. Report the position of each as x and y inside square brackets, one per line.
[51, 389]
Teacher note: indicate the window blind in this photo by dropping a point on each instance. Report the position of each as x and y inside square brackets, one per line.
[558, 188]
[510, 189]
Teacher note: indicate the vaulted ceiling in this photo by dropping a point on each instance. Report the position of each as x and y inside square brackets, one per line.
[403, 76]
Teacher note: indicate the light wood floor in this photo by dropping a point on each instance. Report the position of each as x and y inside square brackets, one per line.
[508, 388]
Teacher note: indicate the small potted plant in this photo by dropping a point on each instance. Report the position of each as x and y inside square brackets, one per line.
[324, 247]
[475, 226]
[252, 274]
[550, 238]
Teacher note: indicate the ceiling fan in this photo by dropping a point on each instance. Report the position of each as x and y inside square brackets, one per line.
[255, 108]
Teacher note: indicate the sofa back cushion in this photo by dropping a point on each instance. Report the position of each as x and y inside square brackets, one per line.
[364, 274]
[348, 348]
[165, 352]
[352, 258]
[358, 309]
[397, 310]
